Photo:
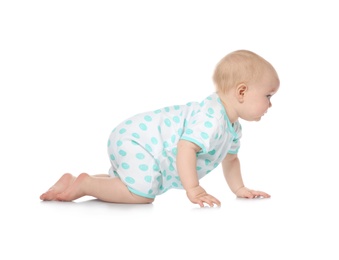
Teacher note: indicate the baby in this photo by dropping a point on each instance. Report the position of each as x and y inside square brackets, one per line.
[175, 146]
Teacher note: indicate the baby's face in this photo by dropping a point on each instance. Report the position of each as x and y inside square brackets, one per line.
[257, 99]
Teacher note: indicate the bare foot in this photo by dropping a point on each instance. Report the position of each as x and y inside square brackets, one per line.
[75, 190]
[61, 185]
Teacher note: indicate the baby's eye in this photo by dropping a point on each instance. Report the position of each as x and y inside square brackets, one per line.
[269, 97]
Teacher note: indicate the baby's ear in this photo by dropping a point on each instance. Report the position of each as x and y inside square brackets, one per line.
[241, 91]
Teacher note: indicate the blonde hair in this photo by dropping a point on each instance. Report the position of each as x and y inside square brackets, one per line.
[241, 66]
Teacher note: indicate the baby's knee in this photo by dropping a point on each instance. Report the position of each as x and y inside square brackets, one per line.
[149, 201]
[146, 200]
[142, 200]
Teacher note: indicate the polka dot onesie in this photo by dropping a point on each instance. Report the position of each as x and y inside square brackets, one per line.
[143, 148]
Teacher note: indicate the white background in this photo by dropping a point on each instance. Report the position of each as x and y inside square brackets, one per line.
[71, 70]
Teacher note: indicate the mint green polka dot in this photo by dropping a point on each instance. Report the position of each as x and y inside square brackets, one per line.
[164, 153]
[174, 184]
[148, 178]
[122, 153]
[210, 110]
[176, 107]
[143, 167]
[180, 131]
[159, 178]
[112, 157]
[155, 167]
[171, 168]
[157, 111]
[148, 147]
[108, 143]
[204, 135]
[188, 131]
[207, 162]
[125, 166]
[173, 138]
[169, 177]
[170, 159]
[208, 124]
[216, 136]
[167, 109]
[185, 122]
[154, 140]
[167, 122]
[136, 135]
[134, 142]
[174, 151]
[150, 191]
[159, 129]
[143, 127]
[198, 168]
[165, 144]
[210, 98]
[202, 103]
[189, 104]
[122, 130]
[176, 119]
[148, 118]
[212, 152]
[163, 173]
[128, 122]
[119, 143]
[129, 180]
[140, 156]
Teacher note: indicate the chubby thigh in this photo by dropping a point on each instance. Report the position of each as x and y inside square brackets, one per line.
[135, 166]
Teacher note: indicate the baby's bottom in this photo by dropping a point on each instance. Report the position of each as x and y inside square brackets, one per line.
[102, 187]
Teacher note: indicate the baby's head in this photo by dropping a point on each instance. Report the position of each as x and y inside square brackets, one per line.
[241, 67]
[245, 83]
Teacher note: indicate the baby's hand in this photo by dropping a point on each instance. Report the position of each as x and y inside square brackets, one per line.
[244, 192]
[199, 196]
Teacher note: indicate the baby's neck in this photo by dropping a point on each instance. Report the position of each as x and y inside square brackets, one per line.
[226, 101]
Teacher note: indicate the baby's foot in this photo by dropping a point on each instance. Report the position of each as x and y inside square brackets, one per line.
[75, 190]
[61, 185]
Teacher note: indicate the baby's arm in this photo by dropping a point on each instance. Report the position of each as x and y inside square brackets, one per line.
[232, 173]
[186, 165]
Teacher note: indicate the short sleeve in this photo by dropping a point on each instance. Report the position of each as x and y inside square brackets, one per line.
[236, 140]
[201, 129]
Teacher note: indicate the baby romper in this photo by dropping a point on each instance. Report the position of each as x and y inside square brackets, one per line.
[143, 148]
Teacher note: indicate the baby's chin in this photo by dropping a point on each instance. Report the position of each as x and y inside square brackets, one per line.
[257, 119]
[253, 119]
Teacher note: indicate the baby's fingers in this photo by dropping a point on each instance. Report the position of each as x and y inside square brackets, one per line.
[211, 201]
[263, 194]
[257, 193]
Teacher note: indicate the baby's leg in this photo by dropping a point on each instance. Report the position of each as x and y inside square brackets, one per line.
[62, 184]
[105, 189]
